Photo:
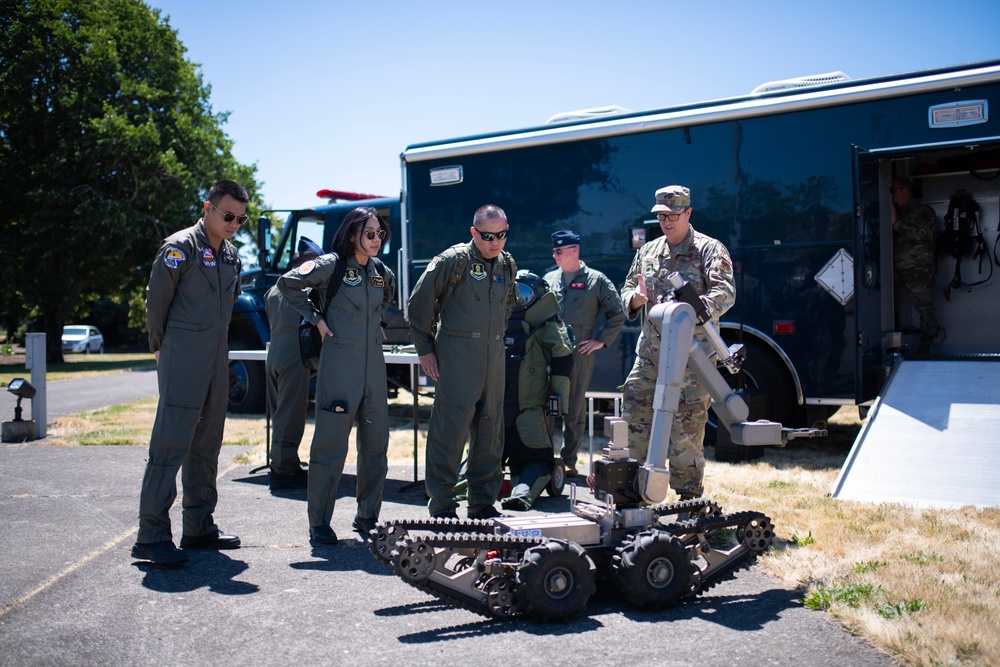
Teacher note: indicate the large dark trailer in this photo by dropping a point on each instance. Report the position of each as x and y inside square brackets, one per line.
[795, 182]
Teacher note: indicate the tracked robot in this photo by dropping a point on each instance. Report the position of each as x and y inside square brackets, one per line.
[657, 554]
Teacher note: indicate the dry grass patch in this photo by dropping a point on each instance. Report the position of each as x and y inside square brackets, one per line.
[920, 583]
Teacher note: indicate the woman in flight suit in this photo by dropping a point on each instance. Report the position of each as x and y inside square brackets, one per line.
[351, 383]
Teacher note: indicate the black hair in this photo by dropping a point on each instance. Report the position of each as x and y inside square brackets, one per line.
[489, 212]
[353, 223]
[231, 188]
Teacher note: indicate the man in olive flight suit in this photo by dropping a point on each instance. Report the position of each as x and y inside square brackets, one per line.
[458, 314]
[287, 382]
[592, 309]
[193, 285]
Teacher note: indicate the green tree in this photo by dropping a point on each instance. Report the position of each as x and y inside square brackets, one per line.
[108, 143]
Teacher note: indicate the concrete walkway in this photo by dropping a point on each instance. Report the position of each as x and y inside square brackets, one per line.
[71, 595]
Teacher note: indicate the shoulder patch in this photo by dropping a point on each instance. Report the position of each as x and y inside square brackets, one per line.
[173, 257]
[434, 262]
[307, 267]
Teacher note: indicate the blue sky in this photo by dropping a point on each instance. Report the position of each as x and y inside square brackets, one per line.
[328, 94]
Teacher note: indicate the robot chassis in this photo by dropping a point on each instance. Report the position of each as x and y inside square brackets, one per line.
[546, 567]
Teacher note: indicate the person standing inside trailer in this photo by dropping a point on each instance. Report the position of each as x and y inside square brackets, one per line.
[913, 257]
[592, 309]
[704, 263]
[287, 381]
[458, 314]
[194, 282]
[351, 382]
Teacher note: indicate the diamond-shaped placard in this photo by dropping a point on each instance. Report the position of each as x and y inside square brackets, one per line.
[837, 277]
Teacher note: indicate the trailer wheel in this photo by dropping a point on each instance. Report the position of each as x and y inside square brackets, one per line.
[653, 570]
[762, 372]
[555, 580]
[246, 384]
[557, 481]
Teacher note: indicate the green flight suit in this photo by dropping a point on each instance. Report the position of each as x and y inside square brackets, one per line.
[591, 307]
[287, 384]
[351, 383]
[189, 301]
[475, 297]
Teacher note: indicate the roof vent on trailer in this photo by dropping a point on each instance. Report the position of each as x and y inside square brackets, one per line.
[800, 82]
[584, 114]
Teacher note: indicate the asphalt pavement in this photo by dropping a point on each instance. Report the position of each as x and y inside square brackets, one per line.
[70, 594]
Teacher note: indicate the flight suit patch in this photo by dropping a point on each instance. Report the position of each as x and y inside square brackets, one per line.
[499, 279]
[377, 281]
[307, 267]
[478, 271]
[352, 277]
[434, 262]
[578, 284]
[208, 257]
[173, 258]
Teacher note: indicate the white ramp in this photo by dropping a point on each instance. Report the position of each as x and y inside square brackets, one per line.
[932, 439]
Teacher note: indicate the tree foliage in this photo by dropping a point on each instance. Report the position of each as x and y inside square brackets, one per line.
[108, 143]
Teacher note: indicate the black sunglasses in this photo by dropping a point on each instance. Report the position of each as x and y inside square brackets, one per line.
[229, 217]
[489, 236]
[370, 234]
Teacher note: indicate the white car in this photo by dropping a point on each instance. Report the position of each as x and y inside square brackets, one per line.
[82, 338]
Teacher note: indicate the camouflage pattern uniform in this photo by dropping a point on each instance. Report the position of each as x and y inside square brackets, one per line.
[915, 263]
[584, 298]
[544, 362]
[462, 318]
[189, 302]
[351, 383]
[705, 263]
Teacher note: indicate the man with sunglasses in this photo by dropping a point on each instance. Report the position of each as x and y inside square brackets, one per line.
[458, 315]
[704, 263]
[193, 285]
[592, 308]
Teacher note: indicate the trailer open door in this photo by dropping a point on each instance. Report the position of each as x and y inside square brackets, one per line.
[872, 269]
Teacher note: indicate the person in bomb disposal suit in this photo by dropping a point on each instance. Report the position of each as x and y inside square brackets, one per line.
[704, 263]
[193, 285]
[287, 381]
[351, 383]
[458, 314]
[584, 296]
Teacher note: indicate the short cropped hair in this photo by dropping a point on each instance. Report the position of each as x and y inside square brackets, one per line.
[489, 212]
[231, 188]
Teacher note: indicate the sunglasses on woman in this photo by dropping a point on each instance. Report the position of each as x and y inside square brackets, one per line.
[370, 234]
[489, 236]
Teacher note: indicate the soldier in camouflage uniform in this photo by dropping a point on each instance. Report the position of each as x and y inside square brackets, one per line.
[913, 257]
[458, 314]
[592, 308]
[539, 365]
[705, 264]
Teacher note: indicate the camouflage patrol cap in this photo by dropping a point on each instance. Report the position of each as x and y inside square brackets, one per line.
[673, 198]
